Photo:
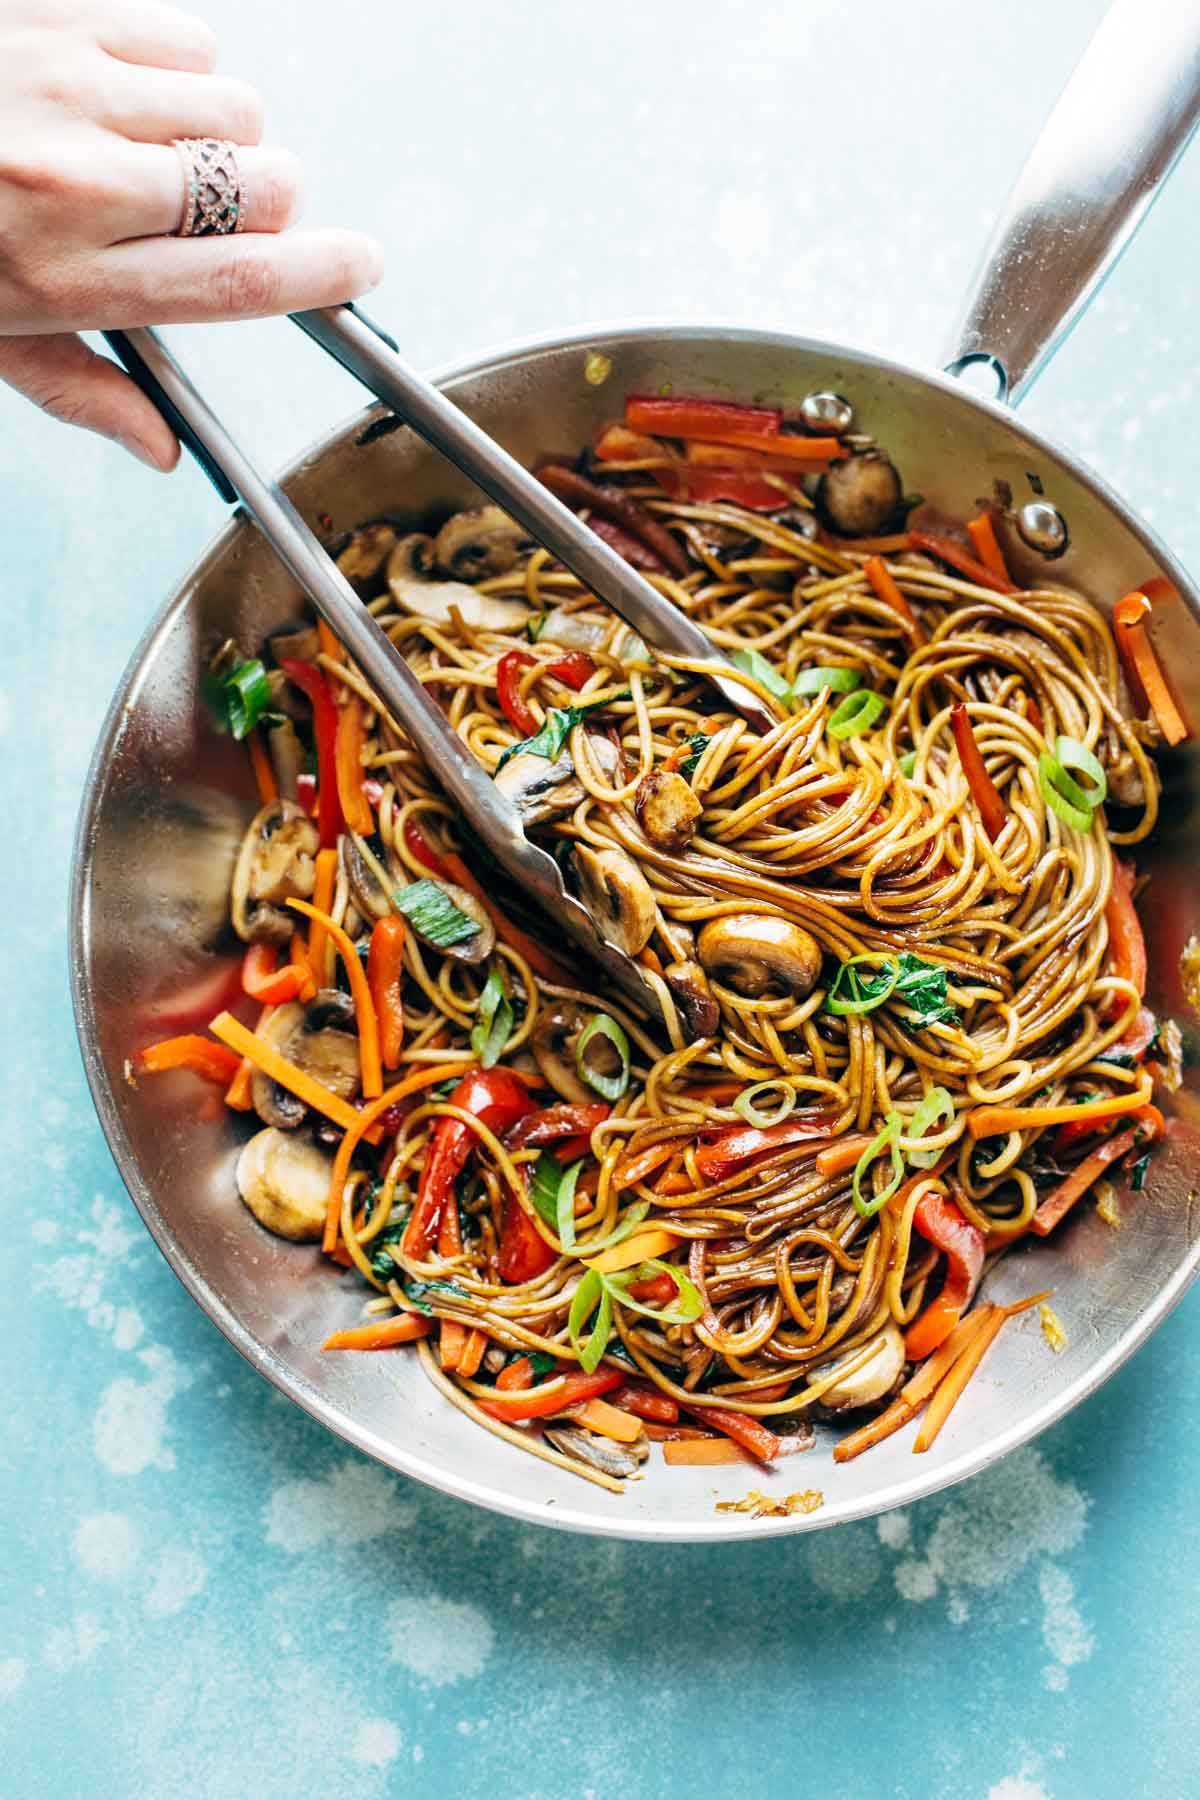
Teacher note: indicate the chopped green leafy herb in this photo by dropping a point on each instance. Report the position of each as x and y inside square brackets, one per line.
[561, 721]
[535, 624]
[433, 915]
[697, 745]
[920, 985]
[416, 1291]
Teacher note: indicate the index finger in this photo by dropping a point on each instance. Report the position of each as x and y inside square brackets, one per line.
[185, 281]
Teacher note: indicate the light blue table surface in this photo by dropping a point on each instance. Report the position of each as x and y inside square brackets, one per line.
[201, 1592]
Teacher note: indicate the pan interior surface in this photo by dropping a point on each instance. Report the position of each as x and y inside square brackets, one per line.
[168, 800]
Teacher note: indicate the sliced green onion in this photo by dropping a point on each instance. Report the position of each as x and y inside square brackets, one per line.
[610, 1086]
[908, 764]
[851, 994]
[432, 913]
[936, 1105]
[239, 695]
[868, 1205]
[1050, 774]
[838, 681]
[1074, 755]
[552, 1191]
[856, 714]
[633, 652]
[591, 1295]
[683, 1310]
[631, 1218]
[747, 1108]
[493, 1028]
[760, 670]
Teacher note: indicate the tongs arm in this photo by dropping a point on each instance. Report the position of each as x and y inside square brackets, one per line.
[369, 355]
[491, 815]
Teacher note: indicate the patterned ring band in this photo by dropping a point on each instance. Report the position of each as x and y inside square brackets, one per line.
[214, 202]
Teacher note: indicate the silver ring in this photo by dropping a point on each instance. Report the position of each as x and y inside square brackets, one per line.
[214, 202]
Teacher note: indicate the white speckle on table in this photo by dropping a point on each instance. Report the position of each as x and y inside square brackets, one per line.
[45, 1231]
[128, 1328]
[439, 1641]
[843, 1564]
[1018, 1787]
[68, 1646]
[77, 1281]
[105, 1545]
[376, 1743]
[1018, 1511]
[127, 1432]
[179, 1575]
[354, 1502]
[894, 1529]
[12, 1675]
[1064, 1632]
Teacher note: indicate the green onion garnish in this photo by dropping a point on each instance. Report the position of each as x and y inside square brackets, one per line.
[1074, 804]
[920, 986]
[857, 713]
[746, 1105]
[760, 670]
[631, 1218]
[683, 1310]
[432, 913]
[867, 1206]
[854, 993]
[552, 1191]
[838, 681]
[239, 695]
[936, 1105]
[907, 764]
[493, 1027]
[611, 1086]
[591, 1296]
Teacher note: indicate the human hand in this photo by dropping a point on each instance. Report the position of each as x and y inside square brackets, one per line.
[92, 93]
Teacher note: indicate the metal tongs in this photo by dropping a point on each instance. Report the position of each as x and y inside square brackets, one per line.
[366, 351]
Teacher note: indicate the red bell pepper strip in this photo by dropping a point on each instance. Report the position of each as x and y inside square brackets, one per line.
[636, 554]
[535, 1403]
[553, 1123]
[1126, 944]
[659, 1290]
[573, 669]
[523, 1253]
[268, 984]
[739, 487]
[572, 1148]
[984, 792]
[742, 1428]
[309, 679]
[940, 1220]
[385, 974]
[947, 551]
[508, 691]
[190, 1051]
[731, 1149]
[685, 418]
[419, 848]
[647, 1403]
[1141, 1034]
[497, 1099]
[613, 503]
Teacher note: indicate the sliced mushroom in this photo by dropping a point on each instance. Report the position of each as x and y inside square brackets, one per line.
[759, 953]
[553, 1044]
[296, 643]
[474, 949]
[275, 864]
[287, 757]
[694, 998]
[315, 1039]
[871, 1381]
[408, 579]
[617, 895]
[667, 809]
[475, 544]
[285, 1183]
[539, 789]
[860, 496]
[372, 900]
[611, 1458]
[366, 553]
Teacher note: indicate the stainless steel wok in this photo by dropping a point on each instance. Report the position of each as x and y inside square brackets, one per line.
[167, 800]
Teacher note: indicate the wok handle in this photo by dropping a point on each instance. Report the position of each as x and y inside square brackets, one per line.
[1120, 125]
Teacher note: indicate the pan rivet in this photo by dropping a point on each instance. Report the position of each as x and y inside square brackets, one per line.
[1043, 528]
[826, 414]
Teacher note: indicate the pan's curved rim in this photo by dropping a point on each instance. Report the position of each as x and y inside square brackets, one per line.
[728, 1527]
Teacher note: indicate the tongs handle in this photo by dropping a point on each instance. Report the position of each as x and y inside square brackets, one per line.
[370, 356]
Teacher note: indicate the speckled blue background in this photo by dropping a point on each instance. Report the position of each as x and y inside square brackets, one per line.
[200, 1591]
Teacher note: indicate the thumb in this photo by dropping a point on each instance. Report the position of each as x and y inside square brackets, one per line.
[69, 381]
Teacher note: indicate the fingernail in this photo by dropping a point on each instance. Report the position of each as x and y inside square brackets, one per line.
[142, 451]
